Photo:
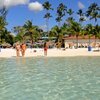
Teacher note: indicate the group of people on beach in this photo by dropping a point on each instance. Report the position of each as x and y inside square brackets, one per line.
[20, 48]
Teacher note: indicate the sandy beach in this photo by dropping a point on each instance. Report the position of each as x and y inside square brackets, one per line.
[6, 53]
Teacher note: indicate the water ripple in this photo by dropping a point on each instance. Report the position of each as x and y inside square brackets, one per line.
[73, 78]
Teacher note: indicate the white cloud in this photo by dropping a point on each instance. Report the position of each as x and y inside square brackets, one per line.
[9, 3]
[80, 5]
[1, 3]
[35, 6]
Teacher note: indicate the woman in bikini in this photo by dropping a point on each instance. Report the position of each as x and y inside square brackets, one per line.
[23, 49]
[45, 48]
[17, 47]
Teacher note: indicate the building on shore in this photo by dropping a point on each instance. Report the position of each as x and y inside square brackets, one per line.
[82, 41]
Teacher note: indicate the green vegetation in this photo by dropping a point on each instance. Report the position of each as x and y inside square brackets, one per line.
[5, 35]
[71, 27]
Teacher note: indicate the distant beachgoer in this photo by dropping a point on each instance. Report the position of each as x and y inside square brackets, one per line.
[23, 49]
[17, 47]
[45, 48]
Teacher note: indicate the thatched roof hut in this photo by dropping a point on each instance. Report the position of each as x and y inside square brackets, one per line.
[6, 45]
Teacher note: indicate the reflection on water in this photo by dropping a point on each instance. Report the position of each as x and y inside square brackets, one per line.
[20, 60]
[43, 78]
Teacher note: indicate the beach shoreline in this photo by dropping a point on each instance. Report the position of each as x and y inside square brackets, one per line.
[6, 53]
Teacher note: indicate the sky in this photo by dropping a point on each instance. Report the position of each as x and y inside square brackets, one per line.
[19, 11]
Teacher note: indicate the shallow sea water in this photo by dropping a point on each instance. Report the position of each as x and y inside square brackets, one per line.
[43, 78]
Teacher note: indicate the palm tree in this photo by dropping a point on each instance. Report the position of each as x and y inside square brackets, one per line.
[56, 32]
[60, 32]
[81, 16]
[76, 30]
[59, 19]
[48, 7]
[37, 33]
[47, 16]
[3, 12]
[96, 31]
[3, 23]
[61, 12]
[67, 30]
[7, 37]
[70, 12]
[20, 32]
[2, 27]
[93, 12]
[29, 31]
[32, 31]
[70, 18]
[89, 31]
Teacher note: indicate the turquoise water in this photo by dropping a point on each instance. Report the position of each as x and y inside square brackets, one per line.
[72, 78]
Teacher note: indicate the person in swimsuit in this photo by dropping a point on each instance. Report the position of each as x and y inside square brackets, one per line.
[45, 48]
[17, 47]
[23, 49]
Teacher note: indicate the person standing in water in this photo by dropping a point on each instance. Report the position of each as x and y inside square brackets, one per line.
[45, 48]
[23, 49]
[17, 47]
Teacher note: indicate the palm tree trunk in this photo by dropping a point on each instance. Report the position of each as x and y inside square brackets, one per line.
[47, 25]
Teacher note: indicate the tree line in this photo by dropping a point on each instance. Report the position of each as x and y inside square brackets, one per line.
[70, 27]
